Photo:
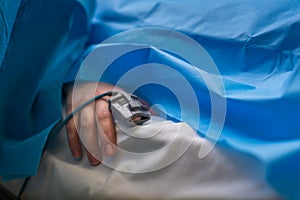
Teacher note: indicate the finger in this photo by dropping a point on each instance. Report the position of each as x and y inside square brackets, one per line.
[72, 134]
[94, 161]
[106, 127]
[88, 133]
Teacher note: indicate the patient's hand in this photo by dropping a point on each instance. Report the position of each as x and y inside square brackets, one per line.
[93, 125]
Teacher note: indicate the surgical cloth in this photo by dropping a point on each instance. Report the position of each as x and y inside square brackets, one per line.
[39, 42]
[254, 44]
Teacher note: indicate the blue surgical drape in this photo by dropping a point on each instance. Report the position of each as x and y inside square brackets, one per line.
[39, 42]
[255, 45]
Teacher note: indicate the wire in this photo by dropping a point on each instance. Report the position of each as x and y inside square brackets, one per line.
[70, 116]
[59, 126]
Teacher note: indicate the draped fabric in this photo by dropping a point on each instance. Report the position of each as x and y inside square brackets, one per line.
[39, 42]
[256, 47]
[254, 44]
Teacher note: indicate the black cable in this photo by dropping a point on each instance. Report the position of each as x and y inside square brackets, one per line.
[56, 129]
[70, 116]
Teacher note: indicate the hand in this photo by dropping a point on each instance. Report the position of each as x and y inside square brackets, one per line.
[93, 126]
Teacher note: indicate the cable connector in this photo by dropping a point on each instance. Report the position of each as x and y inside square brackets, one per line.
[128, 108]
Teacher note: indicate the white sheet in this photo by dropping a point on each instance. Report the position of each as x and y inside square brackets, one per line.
[223, 174]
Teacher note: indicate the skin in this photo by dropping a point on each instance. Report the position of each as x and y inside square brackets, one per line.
[93, 126]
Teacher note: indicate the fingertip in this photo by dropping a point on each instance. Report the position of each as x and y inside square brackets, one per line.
[77, 154]
[93, 161]
[109, 149]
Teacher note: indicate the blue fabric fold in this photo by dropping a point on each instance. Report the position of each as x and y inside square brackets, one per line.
[256, 48]
[42, 41]
[255, 45]
[8, 13]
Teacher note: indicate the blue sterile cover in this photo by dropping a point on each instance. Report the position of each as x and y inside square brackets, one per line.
[256, 48]
[39, 42]
[254, 44]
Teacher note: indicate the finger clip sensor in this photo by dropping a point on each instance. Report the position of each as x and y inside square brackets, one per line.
[128, 108]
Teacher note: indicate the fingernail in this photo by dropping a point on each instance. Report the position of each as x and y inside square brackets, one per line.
[76, 154]
[94, 161]
[109, 149]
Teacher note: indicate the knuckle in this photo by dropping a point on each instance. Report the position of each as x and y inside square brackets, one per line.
[99, 90]
[69, 108]
[104, 115]
[69, 104]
